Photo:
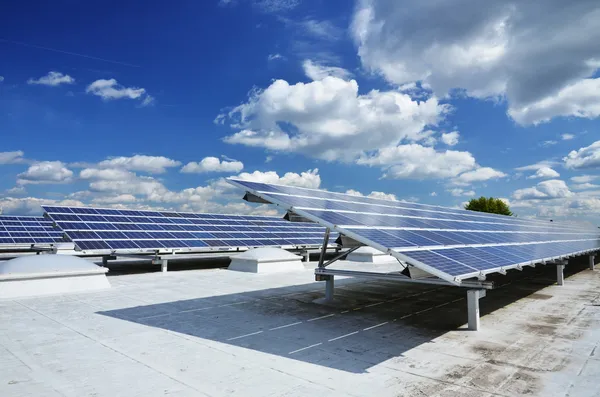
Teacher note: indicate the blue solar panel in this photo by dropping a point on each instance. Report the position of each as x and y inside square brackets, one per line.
[28, 230]
[134, 230]
[458, 243]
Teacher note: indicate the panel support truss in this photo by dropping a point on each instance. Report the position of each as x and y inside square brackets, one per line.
[324, 247]
[592, 263]
[473, 296]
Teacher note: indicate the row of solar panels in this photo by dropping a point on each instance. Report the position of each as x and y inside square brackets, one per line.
[27, 231]
[379, 209]
[404, 240]
[448, 243]
[108, 229]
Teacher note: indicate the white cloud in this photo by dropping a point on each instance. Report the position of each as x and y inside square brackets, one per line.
[110, 90]
[548, 143]
[544, 172]
[584, 186]
[52, 79]
[1, 79]
[316, 71]
[567, 137]
[309, 179]
[433, 194]
[150, 164]
[274, 57]
[212, 164]
[537, 166]
[16, 190]
[584, 178]
[120, 199]
[579, 99]
[31, 205]
[419, 162]
[11, 157]
[374, 195]
[328, 119]
[450, 138]
[324, 29]
[110, 174]
[518, 51]
[458, 192]
[45, 172]
[553, 188]
[584, 158]
[478, 175]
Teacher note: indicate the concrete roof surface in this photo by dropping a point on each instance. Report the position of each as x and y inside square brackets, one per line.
[223, 333]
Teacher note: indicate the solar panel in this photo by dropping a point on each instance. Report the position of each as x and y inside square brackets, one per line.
[450, 243]
[98, 229]
[28, 231]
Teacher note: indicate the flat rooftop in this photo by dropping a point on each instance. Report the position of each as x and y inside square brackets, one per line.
[214, 332]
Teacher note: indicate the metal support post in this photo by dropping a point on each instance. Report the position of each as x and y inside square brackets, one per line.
[329, 288]
[324, 248]
[560, 276]
[104, 261]
[473, 296]
[306, 255]
[592, 263]
[163, 265]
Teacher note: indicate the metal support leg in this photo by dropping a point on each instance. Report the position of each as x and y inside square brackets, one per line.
[560, 277]
[592, 263]
[306, 255]
[473, 296]
[324, 248]
[104, 261]
[329, 289]
[163, 265]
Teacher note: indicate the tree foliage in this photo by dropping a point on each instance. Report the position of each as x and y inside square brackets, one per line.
[489, 204]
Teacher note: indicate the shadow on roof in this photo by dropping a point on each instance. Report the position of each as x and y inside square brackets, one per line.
[369, 322]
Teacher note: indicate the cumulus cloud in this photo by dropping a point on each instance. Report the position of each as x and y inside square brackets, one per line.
[585, 158]
[329, 120]
[537, 166]
[514, 50]
[567, 137]
[450, 138]
[544, 172]
[374, 194]
[553, 188]
[150, 164]
[52, 79]
[585, 186]
[584, 178]
[31, 205]
[111, 90]
[478, 175]
[45, 172]
[212, 164]
[14, 157]
[415, 161]
[309, 179]
[316, 71]
[458, 192]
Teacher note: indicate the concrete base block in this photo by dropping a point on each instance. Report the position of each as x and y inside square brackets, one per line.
[266, 260]
[370, 255]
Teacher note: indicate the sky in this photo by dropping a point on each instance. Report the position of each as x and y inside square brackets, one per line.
[154, 104]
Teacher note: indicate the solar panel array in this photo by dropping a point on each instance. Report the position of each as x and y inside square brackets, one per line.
[100, 229]
[450, 243]
[28, 230]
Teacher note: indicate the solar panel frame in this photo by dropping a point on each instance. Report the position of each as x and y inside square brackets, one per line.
[277, 195]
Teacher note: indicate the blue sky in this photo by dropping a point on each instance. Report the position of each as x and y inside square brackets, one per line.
[153, 105]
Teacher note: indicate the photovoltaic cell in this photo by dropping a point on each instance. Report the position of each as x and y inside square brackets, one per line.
[447, 242]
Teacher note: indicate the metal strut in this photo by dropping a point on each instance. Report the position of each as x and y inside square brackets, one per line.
[324, 248]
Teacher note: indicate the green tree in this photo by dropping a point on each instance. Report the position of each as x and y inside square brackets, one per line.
[489, 204]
